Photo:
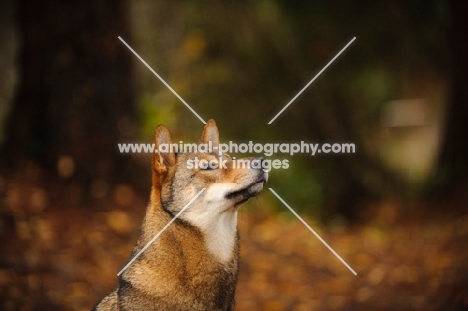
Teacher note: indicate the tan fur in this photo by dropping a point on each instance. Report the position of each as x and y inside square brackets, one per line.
[193, 265]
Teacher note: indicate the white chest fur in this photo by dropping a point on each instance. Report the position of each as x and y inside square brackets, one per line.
[217, 220]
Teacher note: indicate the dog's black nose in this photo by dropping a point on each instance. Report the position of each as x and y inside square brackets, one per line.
[263, 166]
[260, 162]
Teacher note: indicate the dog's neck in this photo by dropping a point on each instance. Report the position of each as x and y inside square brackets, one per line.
[219, 230]
[221, 236]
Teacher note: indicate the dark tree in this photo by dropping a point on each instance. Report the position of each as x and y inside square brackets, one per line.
[74, 100]
[452, 176]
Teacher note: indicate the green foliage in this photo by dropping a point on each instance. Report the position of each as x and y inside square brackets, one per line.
[154, 110]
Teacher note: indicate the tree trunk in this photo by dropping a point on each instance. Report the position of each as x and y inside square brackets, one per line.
[74, 100]
[453, 165]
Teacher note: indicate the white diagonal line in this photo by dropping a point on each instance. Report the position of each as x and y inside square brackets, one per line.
[162, 80]
[160, 232]
[312, 230]
[313, 79]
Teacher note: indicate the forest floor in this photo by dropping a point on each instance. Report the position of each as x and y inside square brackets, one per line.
[67, 258]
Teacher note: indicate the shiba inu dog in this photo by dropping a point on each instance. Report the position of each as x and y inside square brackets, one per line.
[193, 265]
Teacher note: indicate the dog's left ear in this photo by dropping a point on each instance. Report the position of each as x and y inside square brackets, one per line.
[164, 157]
[210, 133]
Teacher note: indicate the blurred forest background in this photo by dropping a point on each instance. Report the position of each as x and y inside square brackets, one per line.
[71, 204]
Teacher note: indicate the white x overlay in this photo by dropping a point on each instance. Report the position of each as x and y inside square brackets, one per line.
[162, 80]
[199, 193]
[160, 232]
[312, 230]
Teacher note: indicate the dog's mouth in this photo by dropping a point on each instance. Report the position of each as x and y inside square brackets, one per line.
[242, 195]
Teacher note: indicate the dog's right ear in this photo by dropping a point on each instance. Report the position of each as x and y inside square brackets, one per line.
[210, 134]
[164, 157]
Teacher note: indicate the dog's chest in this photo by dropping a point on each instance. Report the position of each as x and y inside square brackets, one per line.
[219, 232]
[221, 237]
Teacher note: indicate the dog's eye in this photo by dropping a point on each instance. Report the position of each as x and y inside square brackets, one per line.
[208, 166]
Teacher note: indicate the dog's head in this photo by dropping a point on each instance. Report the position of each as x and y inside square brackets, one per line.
[179, 176]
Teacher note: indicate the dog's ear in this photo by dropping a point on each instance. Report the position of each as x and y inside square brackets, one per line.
[164, 157]
[210, 133]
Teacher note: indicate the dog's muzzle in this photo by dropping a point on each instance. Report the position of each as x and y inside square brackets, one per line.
[252, 189]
